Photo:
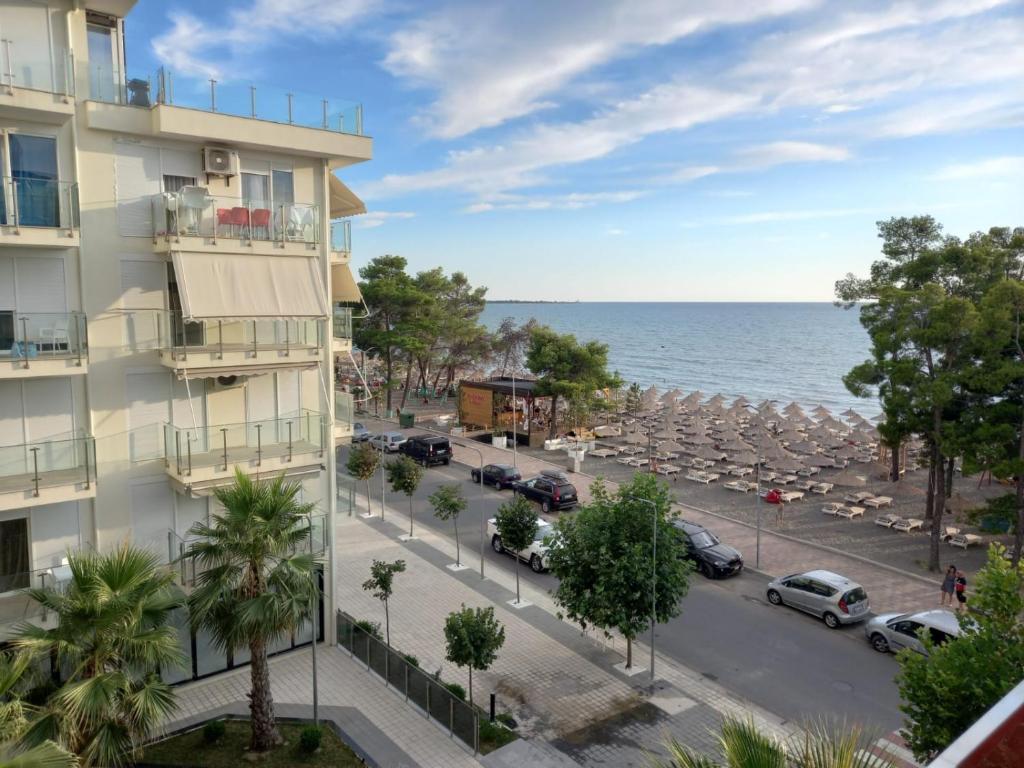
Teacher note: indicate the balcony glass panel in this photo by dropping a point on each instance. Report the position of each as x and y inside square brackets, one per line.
[342, 323]
[25, 64]
[30, 336]
[35, 202]
[192, 212]
[344, 408]
[47, 464]
[341, 235]
[184, 337]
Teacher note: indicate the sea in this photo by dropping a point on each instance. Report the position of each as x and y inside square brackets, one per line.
[763, 351]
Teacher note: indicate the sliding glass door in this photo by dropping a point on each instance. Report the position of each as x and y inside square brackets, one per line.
[34, 175]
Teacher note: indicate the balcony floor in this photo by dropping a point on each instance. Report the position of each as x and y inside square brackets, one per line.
[244, 456]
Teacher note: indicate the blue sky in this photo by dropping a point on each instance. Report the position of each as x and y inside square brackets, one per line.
[662, 150]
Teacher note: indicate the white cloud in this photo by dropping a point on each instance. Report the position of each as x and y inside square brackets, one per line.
[373, 219]
[570, 202]
[693, 172]
[769, 217]
[782, 152]
[988, 168]
[203, 47]
[616, 232]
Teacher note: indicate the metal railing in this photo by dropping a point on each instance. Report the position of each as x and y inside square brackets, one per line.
[458, 717]
[43, 203]
[222, 445]
[16, 606]
[344, 408]
[263, 102]
[341, 323]
[39, 336]
[341, 235]
[183, 337]
[193, 212]
[47, 464]
[28, 65]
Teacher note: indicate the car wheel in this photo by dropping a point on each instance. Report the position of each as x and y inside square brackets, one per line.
[706, 571]
[545, 506]
[830, 620]
[879, 643]
[535, 564]
[498, 485]
[774, 597]
[496, 544]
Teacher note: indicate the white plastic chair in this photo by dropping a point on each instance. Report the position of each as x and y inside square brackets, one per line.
[58, 333]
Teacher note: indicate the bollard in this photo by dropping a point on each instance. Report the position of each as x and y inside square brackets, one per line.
[493, 697]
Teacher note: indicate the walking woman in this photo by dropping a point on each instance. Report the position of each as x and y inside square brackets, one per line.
[948, 586]
[961, 592]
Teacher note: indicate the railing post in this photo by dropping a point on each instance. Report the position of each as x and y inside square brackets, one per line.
[451, 717]
[24, 341]
[325, 112]
[289, 108]
[220, 339]
[476, 732]
[224, 439]
[287, 339]
[254, 349]
[283, 226]
[289, 441]
[35, 470]
[213, 95]
[167, 459]
[323, 435]
[177, 451]
[359, 119]
[88, 441]
[14, 206]
[188, 446]
[10, 67]
[351, 639]
[406, 681]
[80, 328]
[429, 686]
[259, 445]
[252, 100]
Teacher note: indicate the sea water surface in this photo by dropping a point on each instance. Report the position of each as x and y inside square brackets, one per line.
[784, 352]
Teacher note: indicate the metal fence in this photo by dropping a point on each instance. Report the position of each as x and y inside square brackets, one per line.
[458, 717]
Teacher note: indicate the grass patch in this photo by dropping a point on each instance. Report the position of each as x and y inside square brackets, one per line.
[494, 735]
[191, 749]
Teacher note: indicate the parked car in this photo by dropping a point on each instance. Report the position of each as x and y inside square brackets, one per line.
[551, 489]
[833, 598]
[427, 449]
[360, 434]
[712, 558]
[536, 554]
[893, 631]
[499, 475]
[389, 442]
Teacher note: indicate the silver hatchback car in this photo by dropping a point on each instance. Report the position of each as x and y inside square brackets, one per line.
[893, 631]
[833, 598]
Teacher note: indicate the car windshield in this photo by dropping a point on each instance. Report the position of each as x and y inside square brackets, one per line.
[703, 539]
[542, 531]
[855, 596]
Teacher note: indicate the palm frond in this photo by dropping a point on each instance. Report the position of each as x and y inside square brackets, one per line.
[681, 756]
[836, 745]
[745, 746]
[45, 755]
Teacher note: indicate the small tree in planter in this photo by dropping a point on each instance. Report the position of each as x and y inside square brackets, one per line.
[473, 637]
[381, 583]
[404, 474]
[448, 503]
[363, 461]
[517, 525]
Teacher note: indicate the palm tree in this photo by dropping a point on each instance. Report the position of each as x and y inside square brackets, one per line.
[113, 637]
[255, 583]
[743, 745]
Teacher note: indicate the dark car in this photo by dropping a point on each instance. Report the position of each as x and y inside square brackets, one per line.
[427, 449]
[552, 489]
[712, 558]
[498, 475]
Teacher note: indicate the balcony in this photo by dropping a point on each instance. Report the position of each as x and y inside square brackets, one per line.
[236, 113]
[344, 415]
[341, 330]
[47, 472]
[195, 220]
[34, 83]
[199, 460]
[341, 241]
[17, 607]
[40, 213]
[219, 347]
[35, 344]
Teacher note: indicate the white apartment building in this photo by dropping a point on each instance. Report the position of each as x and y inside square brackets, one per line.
[172, 254]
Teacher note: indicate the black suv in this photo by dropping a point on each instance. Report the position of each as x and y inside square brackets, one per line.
[498, 475]
[552, 489]
[427, 449]
[712, 558]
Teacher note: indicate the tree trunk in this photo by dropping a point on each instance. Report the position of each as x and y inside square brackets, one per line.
[1018, 535]
[950, 466]
[389, 370]
[410, 516]
[938, 497]
[894, 466]
[387, 624]
[517, 578]
[408, 381]
[929, 501]
[455, 522]
[440, 370]
[553, 427]
[369, 504]
[629, 653]
[261, 703]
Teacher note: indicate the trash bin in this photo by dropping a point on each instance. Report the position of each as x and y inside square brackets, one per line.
[406, 420]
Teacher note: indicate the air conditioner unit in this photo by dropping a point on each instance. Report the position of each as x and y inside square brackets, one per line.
[227, 382]
[220, 161]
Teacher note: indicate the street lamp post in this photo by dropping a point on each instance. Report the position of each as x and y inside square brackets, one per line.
[515, 419]
[757, 498]
[316, 698]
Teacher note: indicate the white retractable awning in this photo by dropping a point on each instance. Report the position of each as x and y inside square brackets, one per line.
[343, 285]
[240, 286]
[212, 372]
[343, 200]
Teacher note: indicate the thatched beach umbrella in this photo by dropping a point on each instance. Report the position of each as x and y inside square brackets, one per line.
[636, 438]
[708, 453]
[850, 478]
[671, 447]
[860, 436]
[821, 411]
[735, 445]
[748, 458]
[665, 434]
[819, 461]
[740, 402]
[792, 409]
[834, 424]
[846, 452]
[698, 440]
[804, 447]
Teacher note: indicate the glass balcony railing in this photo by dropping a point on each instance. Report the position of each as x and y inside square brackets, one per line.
[341, 323]
[38, 336]
[223, 445]
[341, 235]
[344, 408]
[237, 98]
[193, 212]
[184, 337]
[28, 202]
[46, 464]
[27, 65]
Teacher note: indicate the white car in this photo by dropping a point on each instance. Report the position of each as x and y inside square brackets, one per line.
[536, 554]
[389, 442]
[893, 631]
[360, 434]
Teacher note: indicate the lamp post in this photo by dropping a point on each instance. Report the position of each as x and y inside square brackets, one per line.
[757, 497]
[515, 419]
[316, 698]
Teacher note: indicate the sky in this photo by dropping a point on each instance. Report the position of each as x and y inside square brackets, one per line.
[639, 150]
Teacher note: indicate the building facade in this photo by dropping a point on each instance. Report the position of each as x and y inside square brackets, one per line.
[174, 260]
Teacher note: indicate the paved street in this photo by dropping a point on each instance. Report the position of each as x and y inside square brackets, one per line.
[782, 660]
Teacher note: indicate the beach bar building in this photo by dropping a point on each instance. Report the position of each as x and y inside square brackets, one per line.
[503, 404]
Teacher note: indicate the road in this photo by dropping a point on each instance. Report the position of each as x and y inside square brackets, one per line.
[780, 659]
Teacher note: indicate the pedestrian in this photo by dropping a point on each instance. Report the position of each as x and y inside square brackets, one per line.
[961, 592]
[948, 586]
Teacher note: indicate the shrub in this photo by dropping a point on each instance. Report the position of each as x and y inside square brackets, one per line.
[213, 731]
[370, 628]
[411, 659]
[456, 690]
[310, 738]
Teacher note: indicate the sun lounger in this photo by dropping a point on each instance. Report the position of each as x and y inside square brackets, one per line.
[949, 532]
[638, 462]
[804, 485]
[741, 486]
[701, 477]
[857, 497]
[768, 476]
[850, 512]
[665, 456]
[887, 521]
[964, 540]
[785, 479]
[684, 461]
[603, 453]
[908, 524]
[740, 471]
[668, 469]
[831, 509]
[791, 496]
[875, 502]
[808, 471]
[822, 488]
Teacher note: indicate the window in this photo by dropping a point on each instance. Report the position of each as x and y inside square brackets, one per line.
[798, 583]
[820, 589]
[14, 559]
[855, 596]
[256, 189]
[907, 627]
[175, 183]
[283, 187]
[35, 180]
[103, 85]
[703, 539]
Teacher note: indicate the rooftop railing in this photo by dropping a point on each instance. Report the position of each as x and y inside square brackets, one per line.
[193, 212]
[47, 464]
[45, 203]
[263, 102]
[27, 65]
[39, 336]
[184, 337]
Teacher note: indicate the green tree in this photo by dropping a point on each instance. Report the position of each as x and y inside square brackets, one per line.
[448, 503]
[112, 637]
[565, 368]
[381, 584]
[404, 475]
[509, 344]
[473, 637]
[45, 755]
[15, 671]
[634, 399]
[516, 523]
[363, 461]
[255, 580]
[602, 557]
[946, 692]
